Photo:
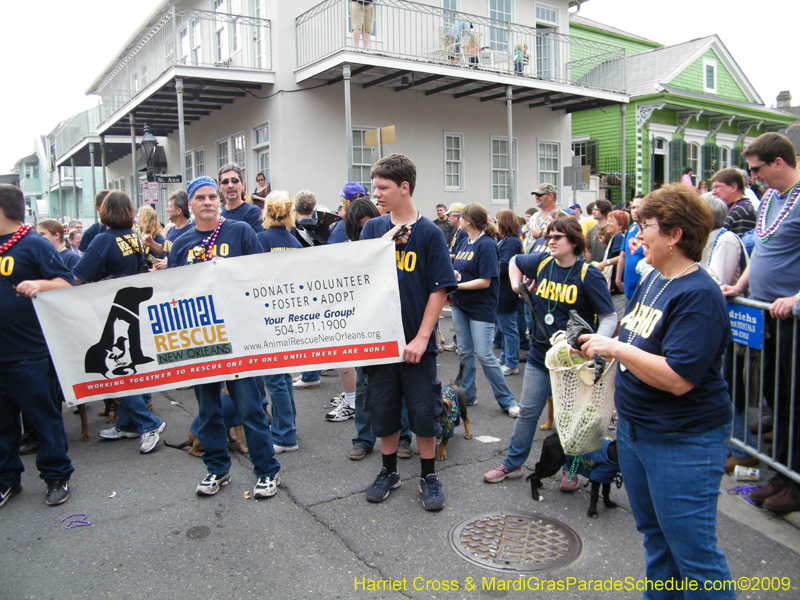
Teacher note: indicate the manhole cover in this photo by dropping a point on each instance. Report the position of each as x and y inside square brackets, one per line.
[198, 532]
[513, 542]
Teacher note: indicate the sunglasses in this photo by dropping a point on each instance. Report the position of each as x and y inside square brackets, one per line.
[756, 169]
[554, 236]
[232, 181]
[260, 180]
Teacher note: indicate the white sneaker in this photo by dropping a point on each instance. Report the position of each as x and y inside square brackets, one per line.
[266, 487]
[341, 413]
[509, 371]
[306, 385]
[149, 439]
[212, 483]
[513, 412]
[338, 400]
[279, 448]
[116, 434]
[450, 348]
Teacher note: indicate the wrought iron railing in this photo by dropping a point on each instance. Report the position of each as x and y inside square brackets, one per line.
[427, 33]
[186, 37]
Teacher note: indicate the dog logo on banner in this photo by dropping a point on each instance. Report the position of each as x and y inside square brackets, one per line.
[119, 350]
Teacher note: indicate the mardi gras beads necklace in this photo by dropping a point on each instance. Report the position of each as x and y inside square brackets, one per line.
[15, 238]
[204, 251]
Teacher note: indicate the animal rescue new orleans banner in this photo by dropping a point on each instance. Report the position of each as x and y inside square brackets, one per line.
[323, 307]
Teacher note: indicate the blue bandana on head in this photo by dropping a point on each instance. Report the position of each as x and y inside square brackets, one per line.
[196, 184]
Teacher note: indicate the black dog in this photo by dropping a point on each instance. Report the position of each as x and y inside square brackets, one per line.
[452, 412]
[553, 459]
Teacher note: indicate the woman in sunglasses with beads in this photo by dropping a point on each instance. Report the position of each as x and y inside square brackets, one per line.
[562, 282]
[672, 401]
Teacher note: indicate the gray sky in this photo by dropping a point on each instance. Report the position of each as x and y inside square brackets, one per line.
[57, 49]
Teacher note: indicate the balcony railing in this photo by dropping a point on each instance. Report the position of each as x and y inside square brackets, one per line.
[424, 33]
[186, 37]
[75, 129]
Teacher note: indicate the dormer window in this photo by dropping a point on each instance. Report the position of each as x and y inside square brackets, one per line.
[709, 76]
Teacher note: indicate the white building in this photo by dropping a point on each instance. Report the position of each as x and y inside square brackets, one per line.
[265, 84]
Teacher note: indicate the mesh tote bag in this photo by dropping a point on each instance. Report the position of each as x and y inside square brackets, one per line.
[582, 407]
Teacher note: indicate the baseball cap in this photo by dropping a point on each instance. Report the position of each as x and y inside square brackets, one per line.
[455, 207]
[576, 207]
[544, 188]
[351, 189]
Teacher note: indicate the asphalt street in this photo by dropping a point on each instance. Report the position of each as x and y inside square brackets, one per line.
[150, 536]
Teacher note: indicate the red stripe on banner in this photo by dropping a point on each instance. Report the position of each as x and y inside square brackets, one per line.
[230, 366]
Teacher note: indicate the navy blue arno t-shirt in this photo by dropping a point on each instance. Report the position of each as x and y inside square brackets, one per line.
[559, 290]
[32, 257]
[478, 260]
[235, 238]
[689, 325]
[423, 266]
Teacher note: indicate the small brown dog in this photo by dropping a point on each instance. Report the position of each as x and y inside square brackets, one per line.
[232, 421]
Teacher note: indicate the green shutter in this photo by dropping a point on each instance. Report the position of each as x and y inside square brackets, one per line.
[736, 158]
[710, 162]
[678, 159]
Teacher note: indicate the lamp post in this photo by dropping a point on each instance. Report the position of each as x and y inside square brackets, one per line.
[148, 146]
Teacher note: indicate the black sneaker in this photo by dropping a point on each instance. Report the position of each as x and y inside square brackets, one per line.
[384, 483]
[6, 492]
[57, 492]
[432, 494]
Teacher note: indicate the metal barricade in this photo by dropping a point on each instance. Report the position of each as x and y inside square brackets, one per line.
[761, 371]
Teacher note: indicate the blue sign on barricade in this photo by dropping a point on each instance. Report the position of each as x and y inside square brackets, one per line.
[747, 324]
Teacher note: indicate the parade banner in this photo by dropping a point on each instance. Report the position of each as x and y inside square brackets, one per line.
[278, 312]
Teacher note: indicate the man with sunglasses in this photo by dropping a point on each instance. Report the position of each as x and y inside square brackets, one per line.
[232, 186]
[546, 203]
[773, 277]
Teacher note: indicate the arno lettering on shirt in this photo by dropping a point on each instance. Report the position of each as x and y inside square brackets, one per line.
[642, 320]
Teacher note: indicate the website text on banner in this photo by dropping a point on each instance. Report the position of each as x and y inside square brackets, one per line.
[252, 315]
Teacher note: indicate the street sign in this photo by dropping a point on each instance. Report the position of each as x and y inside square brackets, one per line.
[150, 192]
[376, 137]
[168, 179]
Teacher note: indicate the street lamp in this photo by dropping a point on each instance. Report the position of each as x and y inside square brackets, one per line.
[148, 146]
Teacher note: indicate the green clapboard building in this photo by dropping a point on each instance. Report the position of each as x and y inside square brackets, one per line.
[690, 106]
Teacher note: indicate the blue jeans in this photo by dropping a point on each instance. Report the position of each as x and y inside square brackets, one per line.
[475, 339]
[133, 415]
[364, 436]
[673, 486]
[310, 376]
[281, 393]
[214, 437]
[535, 391]
[522, 325]
[29, 386]
[509, 356]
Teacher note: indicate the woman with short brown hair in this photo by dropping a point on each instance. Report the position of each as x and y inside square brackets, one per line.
[673, 404]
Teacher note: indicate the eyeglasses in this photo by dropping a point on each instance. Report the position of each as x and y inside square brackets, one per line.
[756, 169]
[232, 181]
[554, 236]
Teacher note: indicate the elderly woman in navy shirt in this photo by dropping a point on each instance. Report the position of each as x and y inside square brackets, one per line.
[673, 404]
